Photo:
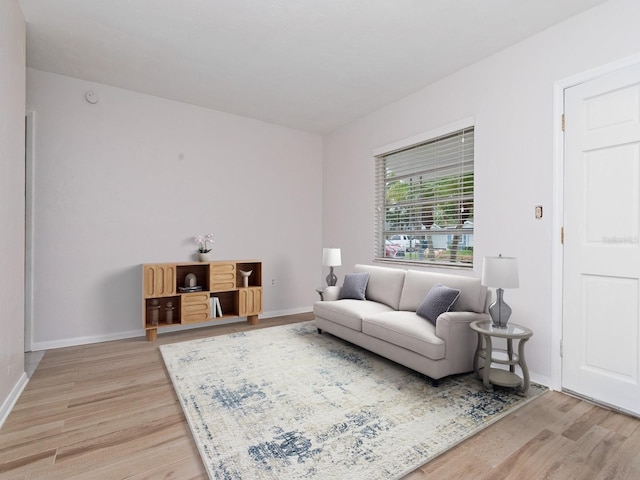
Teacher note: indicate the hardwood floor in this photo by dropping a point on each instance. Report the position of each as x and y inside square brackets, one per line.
[108, 411]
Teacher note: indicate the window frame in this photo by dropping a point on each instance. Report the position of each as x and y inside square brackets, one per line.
[380, 205]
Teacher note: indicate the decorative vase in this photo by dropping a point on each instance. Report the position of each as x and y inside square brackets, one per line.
[154, 311]
[168, 312]
[245, 277]
[204, 257]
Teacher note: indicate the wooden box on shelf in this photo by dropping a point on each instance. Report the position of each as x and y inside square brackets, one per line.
[222, 276]
[181, 293]
[195, 307]
[159, 280]
[250, 302]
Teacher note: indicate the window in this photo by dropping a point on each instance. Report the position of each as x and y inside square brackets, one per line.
[424, 199]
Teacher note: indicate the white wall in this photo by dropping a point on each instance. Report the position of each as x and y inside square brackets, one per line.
[12, 98]
[510, 95]
[133, 178]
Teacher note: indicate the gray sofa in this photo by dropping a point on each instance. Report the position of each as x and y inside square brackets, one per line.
[386, 323]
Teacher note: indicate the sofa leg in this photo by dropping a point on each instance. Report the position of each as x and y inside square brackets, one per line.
[320, 331]
[435, 383]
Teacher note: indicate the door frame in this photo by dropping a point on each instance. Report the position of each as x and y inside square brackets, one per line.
[29, 159]
[557, 249]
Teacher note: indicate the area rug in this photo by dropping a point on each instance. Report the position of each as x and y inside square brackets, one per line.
[288, 403]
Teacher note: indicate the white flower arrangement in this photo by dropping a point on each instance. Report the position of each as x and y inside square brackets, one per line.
[202, 241]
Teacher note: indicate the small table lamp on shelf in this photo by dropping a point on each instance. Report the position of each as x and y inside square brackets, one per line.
[331, 258]
[500, 272]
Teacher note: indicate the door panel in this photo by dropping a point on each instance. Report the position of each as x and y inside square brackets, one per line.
[604, 295]
[611, 186]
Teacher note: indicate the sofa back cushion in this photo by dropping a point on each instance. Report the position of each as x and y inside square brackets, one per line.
[417, 284]
[385, 284]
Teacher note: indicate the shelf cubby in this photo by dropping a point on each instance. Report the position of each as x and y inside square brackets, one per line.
[255, 279]
[201, 271]
[228, 303]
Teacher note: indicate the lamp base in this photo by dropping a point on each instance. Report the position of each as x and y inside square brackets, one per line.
[500, 311]
[331, 278]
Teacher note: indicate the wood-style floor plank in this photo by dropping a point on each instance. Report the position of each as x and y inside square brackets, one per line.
[109, 411]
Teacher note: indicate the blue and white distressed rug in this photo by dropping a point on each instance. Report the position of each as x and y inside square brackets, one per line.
[288, 403]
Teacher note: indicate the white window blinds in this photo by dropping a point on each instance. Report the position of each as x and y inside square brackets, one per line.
[424, 201]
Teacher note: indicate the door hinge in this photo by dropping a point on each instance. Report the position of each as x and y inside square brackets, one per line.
[563, 122]
[561, 351]
[562, 235]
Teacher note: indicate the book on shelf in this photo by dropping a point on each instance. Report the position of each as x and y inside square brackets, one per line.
[197, 288]
[216, 308]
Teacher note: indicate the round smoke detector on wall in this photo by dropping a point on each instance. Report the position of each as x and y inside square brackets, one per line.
[92, 97]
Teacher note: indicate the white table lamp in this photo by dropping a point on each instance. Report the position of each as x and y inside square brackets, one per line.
[500, 272]
[331, 258]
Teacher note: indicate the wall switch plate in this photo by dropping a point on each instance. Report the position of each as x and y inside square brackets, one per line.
[538, 211]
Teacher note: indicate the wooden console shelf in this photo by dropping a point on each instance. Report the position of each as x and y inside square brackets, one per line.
[167, 302]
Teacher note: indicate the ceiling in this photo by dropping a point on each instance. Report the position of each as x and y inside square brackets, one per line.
[313, 65]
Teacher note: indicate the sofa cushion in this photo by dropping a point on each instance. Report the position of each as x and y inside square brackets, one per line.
[417, 284]
[407, 330]
[354, 286]
[385, 284]
[349, 313]
[440, 299]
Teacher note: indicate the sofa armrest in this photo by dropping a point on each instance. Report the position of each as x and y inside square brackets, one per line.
[460, 340]
[331, 293]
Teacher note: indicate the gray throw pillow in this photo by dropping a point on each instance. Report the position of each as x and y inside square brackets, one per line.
[354, 286]
[440, 299]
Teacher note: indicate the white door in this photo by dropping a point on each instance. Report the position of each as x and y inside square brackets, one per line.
[601, 291]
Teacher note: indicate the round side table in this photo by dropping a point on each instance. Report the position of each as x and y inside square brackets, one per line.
[497, 376]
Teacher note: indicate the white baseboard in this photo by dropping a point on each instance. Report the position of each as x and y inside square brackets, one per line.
[11, 400]
[73, 342]
[540, 379]
[282, 313]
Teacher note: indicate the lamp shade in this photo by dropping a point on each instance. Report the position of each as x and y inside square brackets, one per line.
[331, 257]
[500, 272]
